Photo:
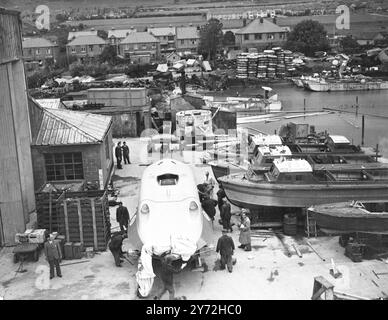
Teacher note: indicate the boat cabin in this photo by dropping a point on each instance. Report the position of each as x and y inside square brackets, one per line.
[263, 140]
[264, 156]
[290, 171]
[336, 143]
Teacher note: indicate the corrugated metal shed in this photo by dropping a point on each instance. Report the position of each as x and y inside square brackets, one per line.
[51, 103]
[64, 127]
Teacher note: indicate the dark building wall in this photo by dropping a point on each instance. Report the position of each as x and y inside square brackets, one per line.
[93, 158]
[224, 120]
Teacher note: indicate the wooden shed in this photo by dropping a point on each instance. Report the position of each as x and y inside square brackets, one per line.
[17, 199]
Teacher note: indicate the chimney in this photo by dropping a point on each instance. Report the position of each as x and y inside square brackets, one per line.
[274, 20]
[131, 27]
[113, 28]
[92, 29]
[170, 25]
[190, 24]
[244, 22]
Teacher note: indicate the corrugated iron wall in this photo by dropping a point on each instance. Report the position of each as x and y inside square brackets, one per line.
[17, 197]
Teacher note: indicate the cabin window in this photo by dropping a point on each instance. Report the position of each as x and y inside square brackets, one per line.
[298, 177]
[258, 36]
[287, 178]
[64, 166]
[246, 36]
[168, 179]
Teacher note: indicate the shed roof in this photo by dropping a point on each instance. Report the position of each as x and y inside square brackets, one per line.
[65, 127]
[51, 103]
[256, 26]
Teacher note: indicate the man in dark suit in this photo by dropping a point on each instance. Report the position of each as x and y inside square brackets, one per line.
[226, 215]
[225, 246]
[115, 246]
[122, 216]
[126, 153]
[118, 155]
[220, 197]
[209, 205]
[53, 254]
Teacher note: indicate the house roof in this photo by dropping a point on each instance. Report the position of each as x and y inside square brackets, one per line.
[160, 32]
[121, 33]
[187, 33]
[139, 37]
[64, 127]
[232, 23]
[256, 26]
[86, 40]
[37, 43]
[75, 34]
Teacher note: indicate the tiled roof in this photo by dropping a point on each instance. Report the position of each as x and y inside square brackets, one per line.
[260, 27]
[187, 33]
[232, 24]
[121, 33]
[139, 37]
[37, 43]
[160, 32]
[75, 34]
[86, 40]
[64, 127]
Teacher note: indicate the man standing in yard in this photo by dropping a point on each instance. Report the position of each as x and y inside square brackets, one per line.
[245, 231]
[225, 246]
[226, 215]
[115, 246]
[126, 153]
[53, 254]
[210, 183]
[122, 216]
[119, 155]
[220, 197]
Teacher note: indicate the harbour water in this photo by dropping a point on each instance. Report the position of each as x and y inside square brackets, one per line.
[373, 104]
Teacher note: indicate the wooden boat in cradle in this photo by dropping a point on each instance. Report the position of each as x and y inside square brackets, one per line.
[350, 217]
[294, 183]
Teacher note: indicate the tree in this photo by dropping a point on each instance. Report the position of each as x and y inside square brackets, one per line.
[102, 34]
[308, 37]
[349, 45]
[210, 38]
[229, 38]
[109, 55]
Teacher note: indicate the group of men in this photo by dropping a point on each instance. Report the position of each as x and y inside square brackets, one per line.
[120, 153]
[225, 244]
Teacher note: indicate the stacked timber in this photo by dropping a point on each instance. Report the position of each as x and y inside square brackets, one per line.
[242, 65]
[82, 217]
[252, 65]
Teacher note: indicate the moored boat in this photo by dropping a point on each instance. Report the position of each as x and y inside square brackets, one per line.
[349, 217]
[294, 183]
[345, 85]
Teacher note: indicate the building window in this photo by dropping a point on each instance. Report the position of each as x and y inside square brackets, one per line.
[90, 48]
[153, 46]
[171, 38]
[246, 36]
[192, 41]
[83, 49]
[258, 36]
[37, 51]
[72, 50]
[182, 41]
[48, 51]
[270, 36]
[144, 47]
[101, 47]
[64, 166]
[135, 47]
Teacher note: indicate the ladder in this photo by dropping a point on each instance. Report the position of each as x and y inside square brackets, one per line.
[311, 226]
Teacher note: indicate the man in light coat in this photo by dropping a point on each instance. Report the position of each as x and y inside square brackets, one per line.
[245, 232]
[53, 254]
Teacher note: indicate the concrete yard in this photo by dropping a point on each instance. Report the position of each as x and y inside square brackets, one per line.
[264, 273]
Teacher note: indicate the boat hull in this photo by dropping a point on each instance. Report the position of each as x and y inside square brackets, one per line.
[244, 193]
[343, 218]
[223, 169]
[345, 86]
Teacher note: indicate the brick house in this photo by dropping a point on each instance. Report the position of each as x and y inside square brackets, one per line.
[187, 39]
[75, 34]
[70, 146]
[37, 50]
[166, 37]
[85, 46]
[260, 34]
[116, 36]
[140, 47]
